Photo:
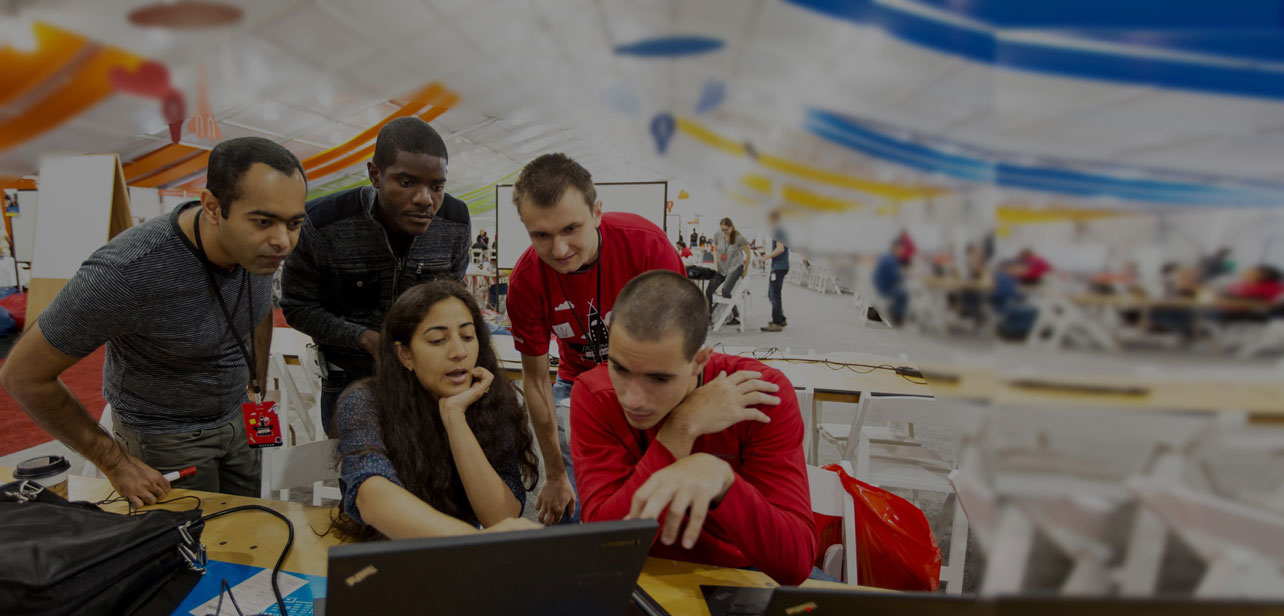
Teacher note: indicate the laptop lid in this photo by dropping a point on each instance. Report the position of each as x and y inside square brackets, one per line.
[573, 569]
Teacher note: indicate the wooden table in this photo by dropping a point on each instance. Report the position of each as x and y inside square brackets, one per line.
[255, 539]
[1184, 391]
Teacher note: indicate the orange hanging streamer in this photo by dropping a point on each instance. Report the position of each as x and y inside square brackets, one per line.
[89, 85]
[20, 72]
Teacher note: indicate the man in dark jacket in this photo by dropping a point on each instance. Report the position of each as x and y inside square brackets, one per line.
[362, 247]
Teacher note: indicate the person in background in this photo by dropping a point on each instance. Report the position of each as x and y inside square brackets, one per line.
[708, 444]
[695, 238]
[1216, 265]
[779, 257]
[433, 445]
[483, 239]
[1261, 283]
[908, 247]
[683, 251]
[889, 281]
[565, 285]
[1015, 317]
[363, 247]
[183, 303]
[704, 241]
[732, 256]
[1029, 268]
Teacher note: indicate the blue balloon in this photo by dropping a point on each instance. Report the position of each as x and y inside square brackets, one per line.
[662, 128]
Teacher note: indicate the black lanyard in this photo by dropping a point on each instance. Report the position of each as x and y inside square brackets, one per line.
[586, 331]
[246, 287]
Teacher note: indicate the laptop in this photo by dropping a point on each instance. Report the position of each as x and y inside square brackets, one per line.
[798, 601]
[563, 570]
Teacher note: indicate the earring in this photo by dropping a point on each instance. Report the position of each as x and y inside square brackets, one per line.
[410, 368]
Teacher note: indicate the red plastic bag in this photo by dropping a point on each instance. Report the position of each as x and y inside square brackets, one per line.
[894, 545]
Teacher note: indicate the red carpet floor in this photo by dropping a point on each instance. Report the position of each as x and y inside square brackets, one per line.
[18, 432]
[85, 379]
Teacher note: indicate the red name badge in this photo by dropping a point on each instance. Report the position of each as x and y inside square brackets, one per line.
[262, 428]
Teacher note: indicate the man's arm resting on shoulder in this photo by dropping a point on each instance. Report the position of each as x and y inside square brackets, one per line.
[31, 376]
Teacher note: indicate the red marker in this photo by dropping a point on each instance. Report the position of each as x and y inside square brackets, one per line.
[187, 472]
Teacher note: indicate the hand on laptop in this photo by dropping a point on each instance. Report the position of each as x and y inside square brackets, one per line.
[693, 484]
[715, 406]
[510, 524]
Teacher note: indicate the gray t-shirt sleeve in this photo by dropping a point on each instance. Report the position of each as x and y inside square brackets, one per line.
[97, 305]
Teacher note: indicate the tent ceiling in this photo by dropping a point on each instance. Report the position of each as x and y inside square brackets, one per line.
[536, 75]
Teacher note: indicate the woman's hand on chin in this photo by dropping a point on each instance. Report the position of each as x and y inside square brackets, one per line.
[457, 405]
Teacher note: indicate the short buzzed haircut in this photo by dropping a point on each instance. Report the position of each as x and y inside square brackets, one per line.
[655, 304]
[408, 134]
[229, 160]
[544, 180]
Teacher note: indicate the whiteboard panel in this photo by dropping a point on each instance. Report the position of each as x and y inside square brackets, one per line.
[75, 207]
[646, 199]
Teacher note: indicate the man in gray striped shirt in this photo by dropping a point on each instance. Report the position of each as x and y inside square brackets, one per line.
[160, 296]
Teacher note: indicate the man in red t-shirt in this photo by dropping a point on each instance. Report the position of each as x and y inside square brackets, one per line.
[564, 285]
[669, 429]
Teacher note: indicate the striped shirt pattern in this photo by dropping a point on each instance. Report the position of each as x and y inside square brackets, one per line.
[172, 366]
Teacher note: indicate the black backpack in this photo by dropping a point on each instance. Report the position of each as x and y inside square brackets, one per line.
[59, 557]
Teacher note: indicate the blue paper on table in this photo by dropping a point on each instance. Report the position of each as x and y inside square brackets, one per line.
[298, 603]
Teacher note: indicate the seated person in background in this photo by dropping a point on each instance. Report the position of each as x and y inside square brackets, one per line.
[890, 283]
[433, 445]
[909, 248]
[1260, 283]
[1015, 317]
[683, 250]
[1215, 265]
[668, 429]
[1029, 268]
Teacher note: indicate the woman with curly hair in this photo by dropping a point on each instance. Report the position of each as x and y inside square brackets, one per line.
[433, 444]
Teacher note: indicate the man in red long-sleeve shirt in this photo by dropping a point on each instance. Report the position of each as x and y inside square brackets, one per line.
[669, 429]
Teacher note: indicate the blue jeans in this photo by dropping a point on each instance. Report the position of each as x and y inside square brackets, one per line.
[561, 393]
[726, 283]
[774, 286]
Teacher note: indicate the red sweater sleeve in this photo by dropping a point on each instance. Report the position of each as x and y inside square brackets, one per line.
[609, 464]
[768, 507]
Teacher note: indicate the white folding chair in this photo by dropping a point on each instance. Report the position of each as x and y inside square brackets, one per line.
[1268, 338]
[288, 467]
[739, 299]
[891, 459]
[866, 297]
[1243, 546]
[829, 498]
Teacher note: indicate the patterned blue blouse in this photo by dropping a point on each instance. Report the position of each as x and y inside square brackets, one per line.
[358, 427]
